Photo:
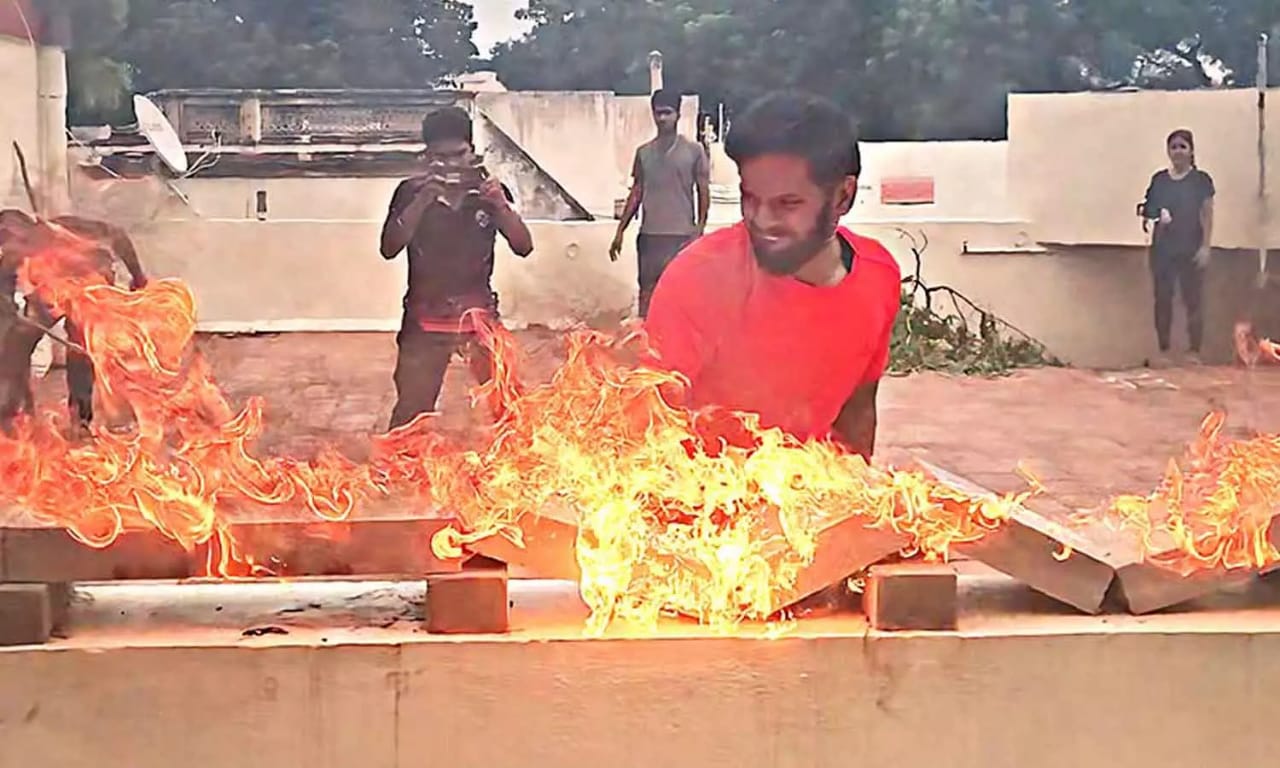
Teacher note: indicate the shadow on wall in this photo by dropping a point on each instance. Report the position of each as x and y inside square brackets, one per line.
[538, 194]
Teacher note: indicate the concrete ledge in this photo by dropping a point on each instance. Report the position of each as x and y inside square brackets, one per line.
[1167, 693]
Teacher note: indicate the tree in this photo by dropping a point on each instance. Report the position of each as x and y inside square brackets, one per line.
[276, 44]
[909, 69]
[100, 80]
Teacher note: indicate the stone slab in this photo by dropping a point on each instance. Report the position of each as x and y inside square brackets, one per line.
[1073, 564]
[376, 547]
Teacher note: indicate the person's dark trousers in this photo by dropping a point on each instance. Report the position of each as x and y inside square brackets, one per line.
[422, 358]
[79, 377]
[1177, 269]
[19, 350]
[653, 254]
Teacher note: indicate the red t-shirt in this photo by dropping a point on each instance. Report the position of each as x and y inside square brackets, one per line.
[752, 341]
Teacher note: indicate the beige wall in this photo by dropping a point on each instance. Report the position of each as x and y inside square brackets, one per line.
[970, 180]
[1091, 307]
[19, 120]
[1090, 696]
[585, 140]
[33, 92]
[316, 275]
[313, 264]
[1079, 163]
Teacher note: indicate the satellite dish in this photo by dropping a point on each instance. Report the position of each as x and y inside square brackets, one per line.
[156, 127]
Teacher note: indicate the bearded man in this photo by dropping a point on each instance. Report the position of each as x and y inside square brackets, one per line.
[787, 314]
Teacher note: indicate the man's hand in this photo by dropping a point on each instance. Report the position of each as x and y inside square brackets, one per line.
[1166, 218]
[1202, 256]
[427, 192]
[493, 195]
[615, 248]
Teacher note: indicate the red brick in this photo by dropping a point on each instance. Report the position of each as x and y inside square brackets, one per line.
[26, 614]
[471, 602]
[912, 597]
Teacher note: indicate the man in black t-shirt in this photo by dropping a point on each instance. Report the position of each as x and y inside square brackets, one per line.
[448, 217]
[1179, 202]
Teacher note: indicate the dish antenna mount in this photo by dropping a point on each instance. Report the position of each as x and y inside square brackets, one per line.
[160, 134]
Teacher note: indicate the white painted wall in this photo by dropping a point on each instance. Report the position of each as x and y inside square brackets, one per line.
[33, 95]
[1079, 163]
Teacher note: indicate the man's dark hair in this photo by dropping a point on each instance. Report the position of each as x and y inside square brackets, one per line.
[665, 97]
[445, 124]
[801, 125]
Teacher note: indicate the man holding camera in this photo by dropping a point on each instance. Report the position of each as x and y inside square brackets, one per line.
[448, 217]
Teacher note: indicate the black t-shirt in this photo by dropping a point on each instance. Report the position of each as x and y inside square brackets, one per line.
[1184, 199]
[450, 256]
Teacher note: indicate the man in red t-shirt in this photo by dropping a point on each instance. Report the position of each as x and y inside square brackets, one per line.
[786, 314]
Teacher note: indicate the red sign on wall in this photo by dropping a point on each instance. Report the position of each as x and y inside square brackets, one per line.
[907, 190]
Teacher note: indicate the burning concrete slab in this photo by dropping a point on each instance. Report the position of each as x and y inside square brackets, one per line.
[844, 545]
[1073, 564]
[1077, 563]
[374, 546]
[1146, 585]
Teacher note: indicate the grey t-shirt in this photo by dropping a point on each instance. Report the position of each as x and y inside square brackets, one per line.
[669, 173]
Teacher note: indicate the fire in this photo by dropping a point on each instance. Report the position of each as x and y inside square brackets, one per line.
[1214, 509]
[1250, 349]
[704, 514]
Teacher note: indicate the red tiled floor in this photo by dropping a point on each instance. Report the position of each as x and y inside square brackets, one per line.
[1086, 434]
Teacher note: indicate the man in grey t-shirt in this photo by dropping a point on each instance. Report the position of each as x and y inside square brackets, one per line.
[668, 171]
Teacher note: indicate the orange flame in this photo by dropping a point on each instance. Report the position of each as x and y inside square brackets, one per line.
[702, 513]
[1214, 510]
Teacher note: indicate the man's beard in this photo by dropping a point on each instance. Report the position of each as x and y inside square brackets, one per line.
[787, 259]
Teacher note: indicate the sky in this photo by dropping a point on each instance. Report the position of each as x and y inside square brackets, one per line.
[496, 22]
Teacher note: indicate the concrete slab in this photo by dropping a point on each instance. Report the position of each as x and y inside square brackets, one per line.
[290, 548]
[52, 555]
[1071, 563]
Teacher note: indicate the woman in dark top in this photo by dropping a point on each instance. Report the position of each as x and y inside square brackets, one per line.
[1179, 203]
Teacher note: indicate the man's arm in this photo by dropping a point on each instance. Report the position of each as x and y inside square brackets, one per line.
[114, 239]
[856, 424]
[702, 177]
[632, 207]
[410, 201]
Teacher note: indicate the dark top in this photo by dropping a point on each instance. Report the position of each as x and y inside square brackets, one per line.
[450, 257]
[95, 231]
[1184, 198]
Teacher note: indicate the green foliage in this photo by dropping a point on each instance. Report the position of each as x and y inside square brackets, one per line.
[924, 340]
[967, 339]
[909, 69]
[142, 45]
